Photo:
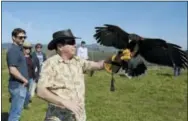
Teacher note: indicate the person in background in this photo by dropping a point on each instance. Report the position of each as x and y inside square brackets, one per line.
[32, 67]
[177, 71]
[38, 54]
[18, 79]
[82, 52]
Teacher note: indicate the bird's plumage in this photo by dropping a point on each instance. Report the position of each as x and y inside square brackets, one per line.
[112, 36]
[153, 50]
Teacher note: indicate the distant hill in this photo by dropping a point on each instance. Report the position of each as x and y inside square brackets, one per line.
[91, 47]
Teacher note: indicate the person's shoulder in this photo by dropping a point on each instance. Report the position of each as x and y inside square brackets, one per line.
[52, 59]
[48, 62]
[76, 57]
[12, 49]
[79, 59]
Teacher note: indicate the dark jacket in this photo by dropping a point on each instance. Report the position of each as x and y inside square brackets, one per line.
[36, 67]
[34, 55]
[37, 63]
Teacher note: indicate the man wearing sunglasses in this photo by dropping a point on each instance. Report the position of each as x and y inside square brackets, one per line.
[18, 79]
[61, 81]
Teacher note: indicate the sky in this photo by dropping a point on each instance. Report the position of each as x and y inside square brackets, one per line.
[165, 20]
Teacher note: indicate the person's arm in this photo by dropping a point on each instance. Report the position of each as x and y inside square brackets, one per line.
[13, 62]
[14, 71]
[97, 65]
[92, 65]
[38, 68]
[34, 70]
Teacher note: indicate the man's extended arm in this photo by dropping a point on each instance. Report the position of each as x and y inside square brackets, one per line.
[92, 65]
[97, 65]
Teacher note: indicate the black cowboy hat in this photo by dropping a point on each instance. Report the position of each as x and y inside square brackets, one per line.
[61, 36]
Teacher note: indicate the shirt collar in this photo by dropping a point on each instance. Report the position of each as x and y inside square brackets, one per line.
[18, 46]
[38, 53]
[61, 60]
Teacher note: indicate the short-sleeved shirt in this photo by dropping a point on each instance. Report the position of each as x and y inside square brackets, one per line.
[66, 80]
[15, 57]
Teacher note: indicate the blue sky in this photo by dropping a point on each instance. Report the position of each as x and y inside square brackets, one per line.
[166, 20]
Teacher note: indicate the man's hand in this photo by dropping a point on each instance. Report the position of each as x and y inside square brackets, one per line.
[14, 71]
[47, 95]
[74, 107]
[25, 82]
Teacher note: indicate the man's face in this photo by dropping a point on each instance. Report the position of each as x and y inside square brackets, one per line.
[39, 48]
[19, 39]
[69, 48]
[83, 44]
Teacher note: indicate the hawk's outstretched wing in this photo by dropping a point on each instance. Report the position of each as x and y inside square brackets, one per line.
[160, 52]
[111, 35]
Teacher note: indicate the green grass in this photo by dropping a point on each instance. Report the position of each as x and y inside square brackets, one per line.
[157, 96]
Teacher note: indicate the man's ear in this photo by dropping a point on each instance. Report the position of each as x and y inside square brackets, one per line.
[59, 45]
[13, 38]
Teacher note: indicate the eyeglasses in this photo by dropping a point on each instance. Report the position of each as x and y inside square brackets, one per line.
[21, 37]
[38, 47]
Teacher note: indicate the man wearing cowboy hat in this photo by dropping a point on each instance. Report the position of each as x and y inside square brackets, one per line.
[61, 81]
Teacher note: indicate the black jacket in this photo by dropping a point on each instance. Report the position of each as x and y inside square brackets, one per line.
[36, 67]
[37, 64]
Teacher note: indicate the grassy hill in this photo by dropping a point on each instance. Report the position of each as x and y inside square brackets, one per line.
[156, 96]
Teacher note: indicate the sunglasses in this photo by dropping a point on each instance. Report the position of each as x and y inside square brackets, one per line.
[70, 42]
[21, 37]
